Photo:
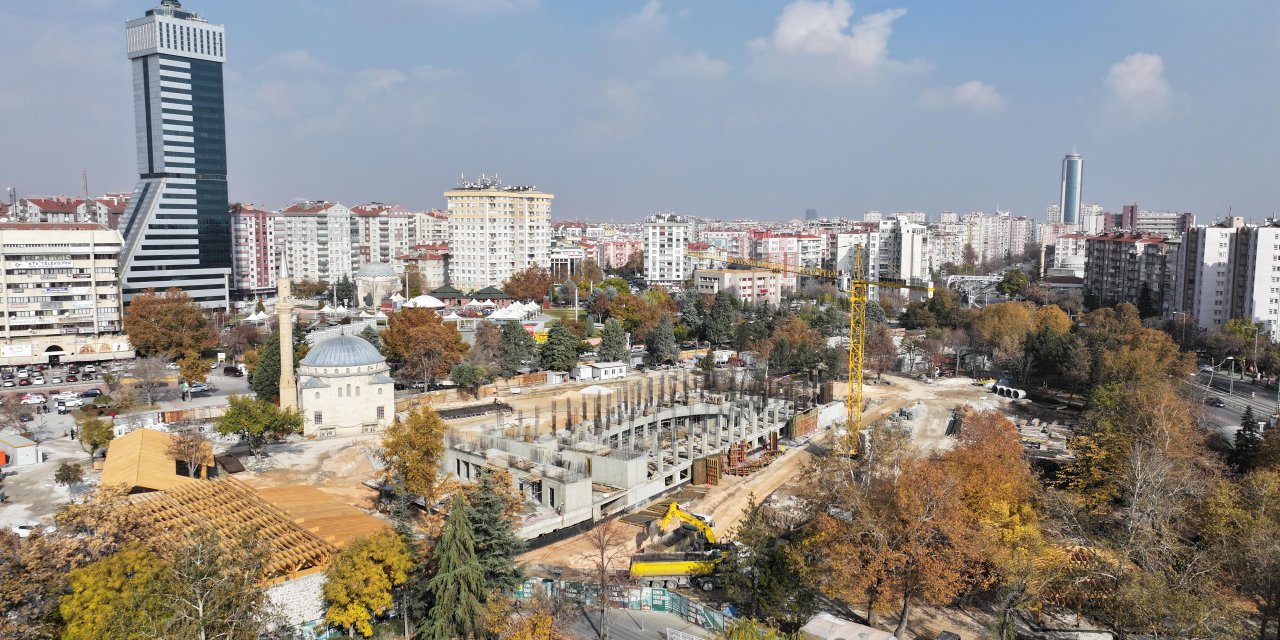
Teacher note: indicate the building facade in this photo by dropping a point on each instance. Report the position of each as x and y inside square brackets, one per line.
[1072, 183]
[315, 239]
[1231, 270]
[496, 230]
[254, 262]
[1132, 268]
[62, 298]
[666, 242]
[380, 232]
[747, 285]
[176, 231]
[344, 389]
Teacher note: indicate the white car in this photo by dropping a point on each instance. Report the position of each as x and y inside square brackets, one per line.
[35, 398]
[56, 381]
[24, 530]
[37, 381]
[9, 383]
[72, 402]
[65, 395]
[24, 373]
[90, 369]
[172, 366]
[1204, 368]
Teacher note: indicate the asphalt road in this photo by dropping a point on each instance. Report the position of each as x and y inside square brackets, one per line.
[1245, 393]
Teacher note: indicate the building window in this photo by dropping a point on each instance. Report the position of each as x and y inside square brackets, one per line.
[382, 412]
[379, 390]
[357, 391]
[317, 395]
[317, 417]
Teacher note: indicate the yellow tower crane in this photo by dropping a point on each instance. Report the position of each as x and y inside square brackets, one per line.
[858, 285]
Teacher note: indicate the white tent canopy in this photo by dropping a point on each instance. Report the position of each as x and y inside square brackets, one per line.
[424, 301]
[595, 389]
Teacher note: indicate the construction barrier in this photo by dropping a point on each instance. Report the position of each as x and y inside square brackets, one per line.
[634, 598]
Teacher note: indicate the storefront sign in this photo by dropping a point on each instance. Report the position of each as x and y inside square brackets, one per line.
[40, 264]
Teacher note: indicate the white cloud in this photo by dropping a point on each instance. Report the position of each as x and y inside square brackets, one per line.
[825, 30]
[697, 65]
[646, 24]
[973, 95]
[1139, 90]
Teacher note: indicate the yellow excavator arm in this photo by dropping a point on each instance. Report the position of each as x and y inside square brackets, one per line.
[674, 511]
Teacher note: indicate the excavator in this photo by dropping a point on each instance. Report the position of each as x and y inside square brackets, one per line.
[680, 568]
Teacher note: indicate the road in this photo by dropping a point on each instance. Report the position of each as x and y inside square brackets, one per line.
[1246, 393]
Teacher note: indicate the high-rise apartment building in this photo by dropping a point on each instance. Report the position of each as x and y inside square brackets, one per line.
[430, 227]
[1072, 179]
[315, 239]
[380, 232]
[254, 265]
[176, 230]
[666, 241]
[1133, 268]
[1230, 270]
[496, 230]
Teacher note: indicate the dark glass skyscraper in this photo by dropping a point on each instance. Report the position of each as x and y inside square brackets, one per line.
[1072, 177]
[176, 230]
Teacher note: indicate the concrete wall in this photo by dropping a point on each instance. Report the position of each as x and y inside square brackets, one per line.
[301, 600]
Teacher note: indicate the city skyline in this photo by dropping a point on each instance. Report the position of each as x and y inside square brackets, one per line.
[697, 108]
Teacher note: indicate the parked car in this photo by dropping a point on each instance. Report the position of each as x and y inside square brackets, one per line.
[55, 380]
[24, 530]
[232, 371]
[172, 366]
[25, 417]
[65, 395]
[37, 381]
[198, 387]
[90, 369]
[91, 393]
[33, 398]
[72, 402]
[72, 378]
[1216, 402]
[24, 382]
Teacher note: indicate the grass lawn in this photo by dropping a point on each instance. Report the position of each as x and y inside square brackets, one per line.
[565, 313]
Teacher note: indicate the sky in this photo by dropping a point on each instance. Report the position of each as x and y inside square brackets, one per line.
[717, 108]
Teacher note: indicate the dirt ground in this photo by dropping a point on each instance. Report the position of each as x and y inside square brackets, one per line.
[337, 466]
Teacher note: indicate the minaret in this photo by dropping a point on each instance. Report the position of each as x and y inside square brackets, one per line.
[284, 315]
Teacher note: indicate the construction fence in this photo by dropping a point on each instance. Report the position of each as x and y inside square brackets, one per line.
[623, 597]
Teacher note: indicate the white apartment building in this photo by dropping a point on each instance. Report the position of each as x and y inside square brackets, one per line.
[1053, 214]
[430, 227]
[747, 285]
[315, 238]
[946, 245]
[380, 232]
[735, 243]
[1230, 270]
[918, 217]
[254, 263]
[666, 242]
[62, 299]
[496, 230]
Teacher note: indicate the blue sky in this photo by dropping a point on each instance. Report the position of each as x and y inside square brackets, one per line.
[721, 108]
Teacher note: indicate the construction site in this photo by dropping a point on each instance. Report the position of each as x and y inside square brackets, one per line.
[622, 446]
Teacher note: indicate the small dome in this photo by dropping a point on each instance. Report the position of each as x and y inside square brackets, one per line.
[425, 301]
[376, 270]
[342, 351]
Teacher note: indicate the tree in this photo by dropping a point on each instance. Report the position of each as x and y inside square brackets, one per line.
[516, 347]
[468, 376]
[761, 572]
[590, 271]
[613, 342]
[491, 513]
[1243, 528]
[458, 585]
[167, 324]
[422, 341]
[215, 588]
[878, 348]
[560, 351]
[1248, 441]
[605, 542]
[486, 349]
[718, 327]
[748, 629]
[370, 335]
[360, 579]
[257, 421]
[533, 283]
[415, 281]
[875, 313]
[794, 346]
[412, 449]
[634, 265]
[149, 376]
[662, 342]
[190, 446]
[191, 368]
[917, 316]
[1014, 283]
[114, 597]
[345, 292]
[68, 474]
[309, 289]
[94, 432]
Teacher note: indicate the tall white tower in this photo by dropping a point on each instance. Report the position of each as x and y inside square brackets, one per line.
[177, 232]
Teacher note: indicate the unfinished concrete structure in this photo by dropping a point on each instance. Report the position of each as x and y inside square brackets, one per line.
[610, 454]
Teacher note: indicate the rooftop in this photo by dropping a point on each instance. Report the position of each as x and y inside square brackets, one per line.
[342, 351]
[491, 183]
[140, 460]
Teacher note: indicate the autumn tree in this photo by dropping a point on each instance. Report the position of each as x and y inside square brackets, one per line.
[878, 348]
[115, 597]
[486, 348]
[634, 265]
[189, 446]
[794, 346]
[590, 271]
[516, 347]
[420, 339]
[360, 580]
[215, 588]
[613, 342]
[457, 588]
[167, 324]
[257, 422]
[412, 448]
[533, 283]
[606, 543]
[93, 432]
[1243, 526]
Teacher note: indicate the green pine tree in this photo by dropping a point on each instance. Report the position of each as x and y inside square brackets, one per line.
[514, 347]
[266, 377]
[370, 335]
[497, 544]
[1248, 441]
[457, 588]
[560, 351]
[689, 312]
[613, 342]
[718, 327]
[662, 342]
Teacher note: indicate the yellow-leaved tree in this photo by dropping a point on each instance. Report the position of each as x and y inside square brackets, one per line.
[359, 582]
[111, 597]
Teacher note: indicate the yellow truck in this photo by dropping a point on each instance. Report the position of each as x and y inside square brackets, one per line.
[679, 569]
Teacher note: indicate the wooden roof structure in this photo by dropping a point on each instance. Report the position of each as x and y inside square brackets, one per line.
[140, 461]
[322, 514]
[232, 508]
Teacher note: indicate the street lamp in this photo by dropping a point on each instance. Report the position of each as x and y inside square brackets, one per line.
[1231, 381]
